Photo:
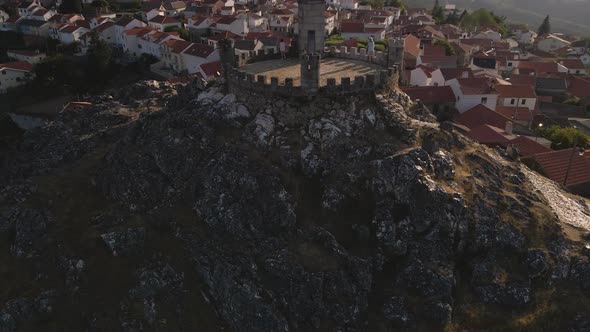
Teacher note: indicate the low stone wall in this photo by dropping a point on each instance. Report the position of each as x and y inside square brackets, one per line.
[240, 81]
[354, 53]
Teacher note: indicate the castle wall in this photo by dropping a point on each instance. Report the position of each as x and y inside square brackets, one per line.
[241, 82]
[354, 53]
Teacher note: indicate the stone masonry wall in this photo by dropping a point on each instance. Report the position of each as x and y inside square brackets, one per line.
[242, 82]
[354, 53]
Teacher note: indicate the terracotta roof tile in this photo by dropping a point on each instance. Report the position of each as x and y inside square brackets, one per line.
[431, 94]
[480, 115]
[516, 91]
[18, 65]
[526, 146]
[554, 165]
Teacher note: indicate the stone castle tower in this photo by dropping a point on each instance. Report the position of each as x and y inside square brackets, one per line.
[311, 43]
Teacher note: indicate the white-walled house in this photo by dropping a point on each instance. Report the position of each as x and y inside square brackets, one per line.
[551, 43]
[470, 92]
[106, 32]
[574, 66]
[198, 54]
[32, 57]
[517, 95]
[123, 24]
[69, 34]
[421, 76]
[160, 23]
[585, 58]
[235, 25]
[150, 43]
[14, 74]
[525, 36]
[131, 37]
[257, 22]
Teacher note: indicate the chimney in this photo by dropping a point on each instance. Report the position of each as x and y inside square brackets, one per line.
[508, 128]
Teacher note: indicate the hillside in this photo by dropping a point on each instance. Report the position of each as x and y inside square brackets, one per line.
[197, 210]
[569, 16]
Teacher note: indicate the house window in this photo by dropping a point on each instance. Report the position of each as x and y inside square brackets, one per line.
[522, 102]
[512, 101]
[509, 64]
[484, 100]
[3, 72]
[577, 71]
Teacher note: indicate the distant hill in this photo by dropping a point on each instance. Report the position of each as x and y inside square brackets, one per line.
[566, 15]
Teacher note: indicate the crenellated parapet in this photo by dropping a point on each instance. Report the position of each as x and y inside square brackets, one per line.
[354, 53]
[243, 82]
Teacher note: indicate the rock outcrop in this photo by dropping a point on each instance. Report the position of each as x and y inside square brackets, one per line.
[166, 208]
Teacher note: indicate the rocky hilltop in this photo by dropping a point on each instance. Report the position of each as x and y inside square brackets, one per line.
[199, 211]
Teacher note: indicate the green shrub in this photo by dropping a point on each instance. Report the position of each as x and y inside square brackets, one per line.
[379, 47]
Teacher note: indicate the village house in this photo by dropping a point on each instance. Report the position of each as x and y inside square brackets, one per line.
[149, 43]
[282, 24]
[174, 8]
[123, 24]
[172, 54]
[470, 92]
[69, 34]
[198, 54]
[161, 23]
[14, 74]
[32, 57]
[199, 26]
[106, 32]
[25, 9]
[235, 25]
[356, 29]
[555, 165]
[330, 17]
[131, 45]
[3, 16]
[517, 96]
[551, 43]
[435, 98]
[257, 22]
[574, 66]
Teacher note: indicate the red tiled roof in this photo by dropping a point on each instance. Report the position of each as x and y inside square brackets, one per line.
[523, 79]
[412, 45]
[539, 67]
[480, 115]
[526, 146]
[18, 65]
[554, 165]
[348, 26]
[69, 29]
[227, 20]
[163, 20]
[431, 94]
[516, 113]
[486, 134]
[104, 26]
[438, 58]
[430, 49]
[123, 21]
[450, 73]
[177, 45]
[579, 87]
[199, 50]
[427, 70]
[211, 69]
[516, 91]
[138, 31]
[572, 64]
[475, 86]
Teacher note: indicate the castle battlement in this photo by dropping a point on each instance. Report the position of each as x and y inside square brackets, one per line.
[354, 53]
[243, 82]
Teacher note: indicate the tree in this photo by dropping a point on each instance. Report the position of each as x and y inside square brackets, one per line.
[449, 50]
[71, 6]
[563, 138]
[452, 18]
[463, 14]
[99, 57]
[545, 27]
[438, 13]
